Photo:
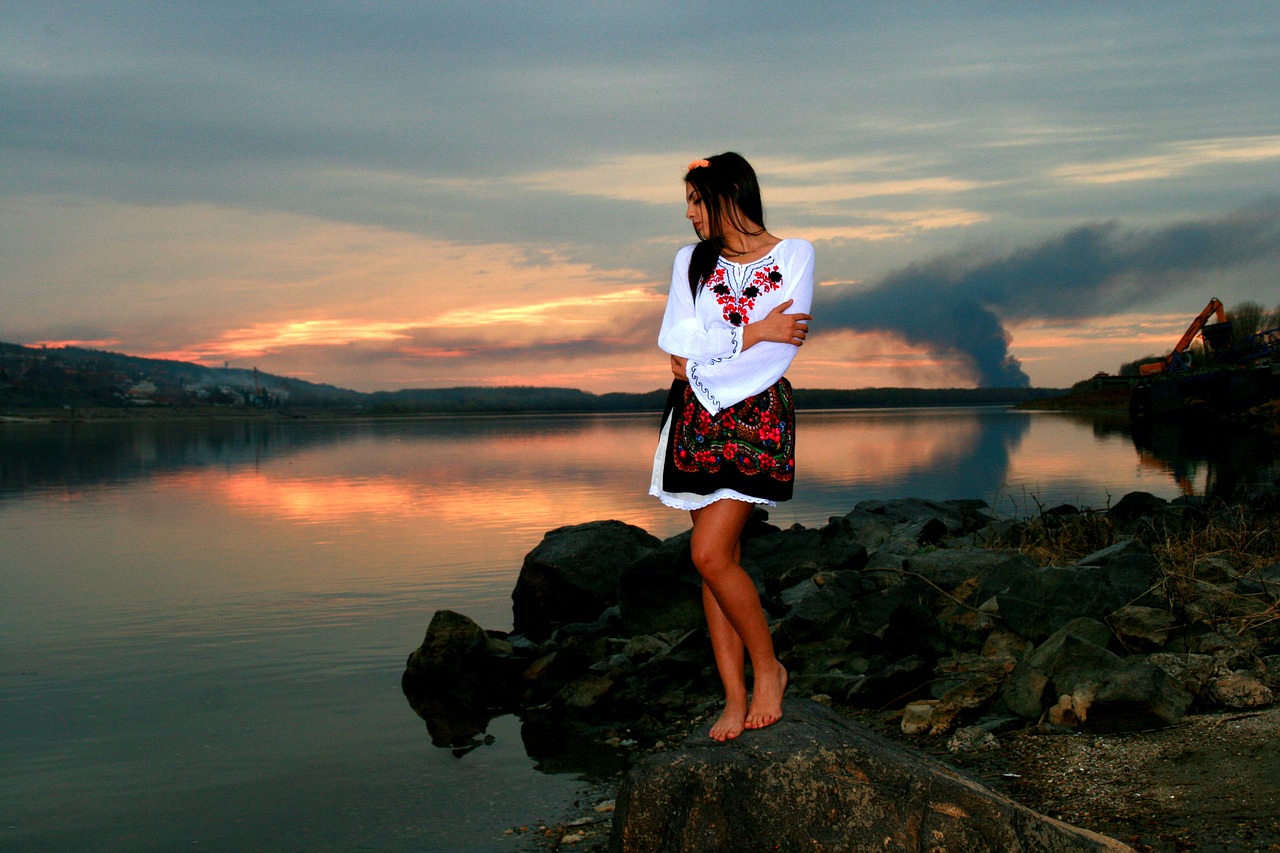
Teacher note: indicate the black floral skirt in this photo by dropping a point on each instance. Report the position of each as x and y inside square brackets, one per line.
[748, 447]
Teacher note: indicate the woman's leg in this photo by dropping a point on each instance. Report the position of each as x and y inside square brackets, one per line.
[735, 619]
[731, 664]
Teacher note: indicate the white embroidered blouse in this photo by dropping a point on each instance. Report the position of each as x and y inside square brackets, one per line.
[708, 331]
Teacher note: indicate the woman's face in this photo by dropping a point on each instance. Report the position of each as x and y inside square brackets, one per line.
[696, 211]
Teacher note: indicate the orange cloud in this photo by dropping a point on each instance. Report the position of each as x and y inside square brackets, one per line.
[536, 313]
[261, 338]
[1177, 159]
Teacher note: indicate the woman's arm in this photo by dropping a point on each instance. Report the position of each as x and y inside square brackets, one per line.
[678, 367]
[682, 333]
[777, 326]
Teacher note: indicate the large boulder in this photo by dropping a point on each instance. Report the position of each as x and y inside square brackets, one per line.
[783, 557]
[1044, 601]
[572, 575]
[958, 516]
[1136, 506]
[459, 679]
[821, 608]
[661, 590]
[816, 781]
[1109, 693]
[453, 647]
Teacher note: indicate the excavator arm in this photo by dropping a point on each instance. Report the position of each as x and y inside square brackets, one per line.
[1197, 325]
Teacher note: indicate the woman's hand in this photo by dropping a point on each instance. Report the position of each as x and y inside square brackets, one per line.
[677, 367]
[779, 327]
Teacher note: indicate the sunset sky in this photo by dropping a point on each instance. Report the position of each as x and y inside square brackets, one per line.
[429, 194]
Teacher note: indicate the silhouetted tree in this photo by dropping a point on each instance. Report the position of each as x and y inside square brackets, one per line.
[1246, 321]
[1272, 319]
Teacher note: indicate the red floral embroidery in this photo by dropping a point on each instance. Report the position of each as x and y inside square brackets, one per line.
[736, 306]
[754, 436]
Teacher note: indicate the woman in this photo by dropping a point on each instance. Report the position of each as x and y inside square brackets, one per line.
[728, 438]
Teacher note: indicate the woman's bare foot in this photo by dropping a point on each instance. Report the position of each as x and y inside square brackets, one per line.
[732, 721]
[766, 700]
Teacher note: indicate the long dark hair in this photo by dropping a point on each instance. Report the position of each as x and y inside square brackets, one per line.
[728, 187]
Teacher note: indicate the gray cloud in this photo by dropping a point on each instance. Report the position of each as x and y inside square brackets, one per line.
[956, 306]
[428, 118]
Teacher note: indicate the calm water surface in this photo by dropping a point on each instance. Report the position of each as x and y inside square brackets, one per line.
[203, 624]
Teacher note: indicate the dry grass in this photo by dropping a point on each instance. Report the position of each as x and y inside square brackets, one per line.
[1201, 552]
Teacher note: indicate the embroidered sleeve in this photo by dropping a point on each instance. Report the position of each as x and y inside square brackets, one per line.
[720, 383]
[683, 332]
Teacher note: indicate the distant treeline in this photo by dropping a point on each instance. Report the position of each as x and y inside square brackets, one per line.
[77, 377]
[480, 400]
[464, 400]
[876, 398]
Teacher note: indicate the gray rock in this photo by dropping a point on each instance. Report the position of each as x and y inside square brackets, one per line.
[572, 575]
[1191, 671]
[986, 570]
[1240, 690]
[1110, 693]
[661, 590]
[1026, 691]
[972, 739]
[828, 683]
[1264, 581]
[1135, 506]
[1082, 628]
[818, 782]
[586, 692]
[867, 528]
[1215, 568]
[793, 595]
[643, 647]
[923, 531]
[891, 684]
[1142, 629]
[967, 699]
[1000, 532]
[881, 621]
[1046, 600]
[782, 557]
[827, 611]
[452, 646]
[959, 516]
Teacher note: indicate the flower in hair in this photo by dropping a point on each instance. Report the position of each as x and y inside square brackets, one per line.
[699, 164]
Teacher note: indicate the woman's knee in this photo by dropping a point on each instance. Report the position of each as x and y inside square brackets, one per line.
[710, 560]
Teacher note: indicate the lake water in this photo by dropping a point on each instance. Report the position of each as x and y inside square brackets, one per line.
[203, 624]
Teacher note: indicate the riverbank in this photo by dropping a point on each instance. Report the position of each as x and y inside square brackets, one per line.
[1107, 400]
[1160, 780]
[1210, 784]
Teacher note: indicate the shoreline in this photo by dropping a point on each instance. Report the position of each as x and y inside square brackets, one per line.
[1193, 783]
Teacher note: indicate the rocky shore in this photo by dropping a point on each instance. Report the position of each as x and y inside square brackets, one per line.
[1101, 667]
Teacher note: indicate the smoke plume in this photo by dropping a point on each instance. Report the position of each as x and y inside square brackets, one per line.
[956, 306]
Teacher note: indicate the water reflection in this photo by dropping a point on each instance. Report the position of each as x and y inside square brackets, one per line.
[277, 558]
[452, 723]
[1220, 461]
[533, 473]
[939, 453]
[554, 745]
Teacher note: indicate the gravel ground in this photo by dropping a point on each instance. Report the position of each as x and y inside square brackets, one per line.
[1211, 783]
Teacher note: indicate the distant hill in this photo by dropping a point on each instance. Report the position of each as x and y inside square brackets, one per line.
[33, 377]
[72, 376]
